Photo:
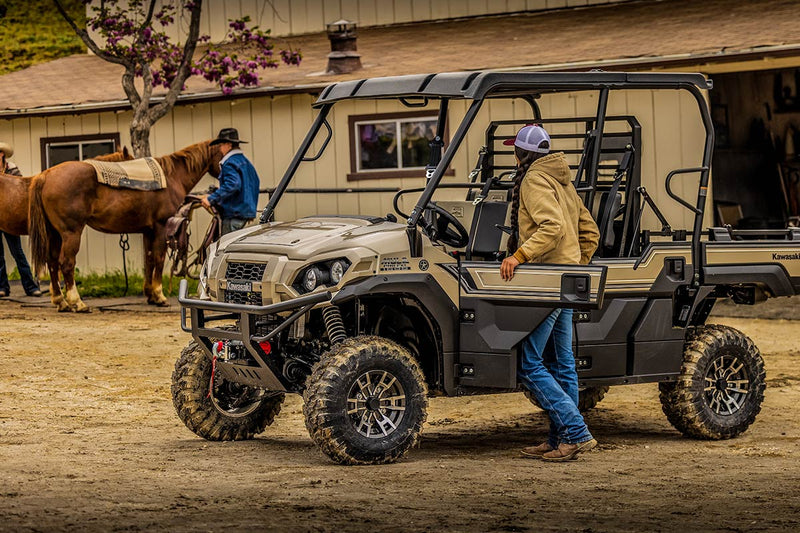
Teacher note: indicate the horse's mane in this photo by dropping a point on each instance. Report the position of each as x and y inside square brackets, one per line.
[119, 155]
[195, 157]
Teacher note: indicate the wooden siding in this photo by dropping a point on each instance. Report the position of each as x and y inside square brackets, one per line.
[295, 17]
[672, 138]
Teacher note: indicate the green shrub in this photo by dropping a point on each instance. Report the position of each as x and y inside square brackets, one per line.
[33, 31]
[112, 284]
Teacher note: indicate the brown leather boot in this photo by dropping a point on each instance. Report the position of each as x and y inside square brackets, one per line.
[536, 452]
[568, 452]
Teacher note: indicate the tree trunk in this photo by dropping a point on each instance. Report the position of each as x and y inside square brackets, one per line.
[140, 138]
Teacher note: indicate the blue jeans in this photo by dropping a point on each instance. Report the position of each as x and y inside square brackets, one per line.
[25, 274]
[233, 224]
[551, 376]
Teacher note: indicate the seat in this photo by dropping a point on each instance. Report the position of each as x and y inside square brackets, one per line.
[487, 236]
[606, 213]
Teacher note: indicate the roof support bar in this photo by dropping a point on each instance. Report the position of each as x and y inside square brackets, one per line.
[438, 141]
[296, 160]
[702, 188]
[434, 180]
[597, 134]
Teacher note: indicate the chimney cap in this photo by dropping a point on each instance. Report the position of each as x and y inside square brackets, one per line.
[340, 26]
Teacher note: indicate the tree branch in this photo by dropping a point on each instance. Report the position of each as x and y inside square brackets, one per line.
[184, 69]
[149, 16]
[147, 80]
[87, 40]
[128, 84]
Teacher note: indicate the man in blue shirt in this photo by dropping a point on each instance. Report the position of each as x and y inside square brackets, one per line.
[30, 284]
[237, 196]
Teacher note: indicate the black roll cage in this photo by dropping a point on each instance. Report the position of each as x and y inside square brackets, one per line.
[480, 86]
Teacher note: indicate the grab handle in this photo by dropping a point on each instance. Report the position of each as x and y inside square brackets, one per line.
[674, 196]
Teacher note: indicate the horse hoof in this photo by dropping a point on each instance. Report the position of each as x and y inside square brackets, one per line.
[63, 307]
[82, 308]
[164, 303]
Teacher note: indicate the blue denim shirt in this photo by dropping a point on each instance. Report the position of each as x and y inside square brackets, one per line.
[237, 196]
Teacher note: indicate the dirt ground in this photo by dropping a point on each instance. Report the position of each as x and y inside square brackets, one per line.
[89, 440]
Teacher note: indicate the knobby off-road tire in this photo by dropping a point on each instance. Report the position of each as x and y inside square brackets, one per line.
[366, 401]
[214, 418]
[721, 385]
[588, 398]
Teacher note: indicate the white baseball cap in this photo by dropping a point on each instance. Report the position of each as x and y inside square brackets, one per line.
[530, 138]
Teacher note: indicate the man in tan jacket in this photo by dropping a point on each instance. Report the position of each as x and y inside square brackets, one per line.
[553, 226]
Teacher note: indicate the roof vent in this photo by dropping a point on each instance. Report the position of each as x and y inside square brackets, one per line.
[343, 57]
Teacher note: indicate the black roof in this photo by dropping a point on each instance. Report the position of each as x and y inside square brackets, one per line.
[477, 85]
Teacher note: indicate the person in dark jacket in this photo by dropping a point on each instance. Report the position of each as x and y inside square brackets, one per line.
[237, 196]
[14, 243]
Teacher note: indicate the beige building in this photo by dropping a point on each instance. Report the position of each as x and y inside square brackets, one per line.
[74, 107]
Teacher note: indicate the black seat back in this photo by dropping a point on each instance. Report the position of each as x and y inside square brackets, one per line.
[486, 235]
[606, 213]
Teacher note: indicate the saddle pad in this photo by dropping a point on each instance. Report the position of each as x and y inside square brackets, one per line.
[143, 174]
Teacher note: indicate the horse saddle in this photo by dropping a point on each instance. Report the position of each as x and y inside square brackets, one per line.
[143, 174]
[177, 231]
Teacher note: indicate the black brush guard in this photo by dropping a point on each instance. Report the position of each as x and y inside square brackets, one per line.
[203, 312]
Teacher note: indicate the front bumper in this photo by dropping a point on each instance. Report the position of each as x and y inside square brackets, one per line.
[204, 312]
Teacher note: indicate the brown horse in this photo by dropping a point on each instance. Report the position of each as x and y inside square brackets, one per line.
[67, 197]
[14, 211]
[14, 196]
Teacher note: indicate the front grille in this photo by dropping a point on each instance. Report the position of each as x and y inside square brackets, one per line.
[245, 271]
[247, 298]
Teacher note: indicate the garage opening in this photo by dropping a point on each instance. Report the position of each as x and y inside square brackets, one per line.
[756, 162]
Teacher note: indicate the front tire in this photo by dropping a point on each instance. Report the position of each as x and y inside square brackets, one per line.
[721, 386]
[366, 401]
[232, 412]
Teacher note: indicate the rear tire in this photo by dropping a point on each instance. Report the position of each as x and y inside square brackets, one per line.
[721, 386]
[218, 417]
[588, 398]
[366, 401]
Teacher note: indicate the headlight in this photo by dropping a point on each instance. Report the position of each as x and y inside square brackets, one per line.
[323, 273]
[337, 270]
[312, 279]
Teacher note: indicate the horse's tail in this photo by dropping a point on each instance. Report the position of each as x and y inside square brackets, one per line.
[39, 226]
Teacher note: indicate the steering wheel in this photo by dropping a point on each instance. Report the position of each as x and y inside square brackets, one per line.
[446, 228]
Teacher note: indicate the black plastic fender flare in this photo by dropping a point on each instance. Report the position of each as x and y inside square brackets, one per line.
[423, 288]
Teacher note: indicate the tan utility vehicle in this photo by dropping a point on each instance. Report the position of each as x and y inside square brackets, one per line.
[367, 317]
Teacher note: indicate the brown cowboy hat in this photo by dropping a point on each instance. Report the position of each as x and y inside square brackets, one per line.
[6, 149]
[228, 135]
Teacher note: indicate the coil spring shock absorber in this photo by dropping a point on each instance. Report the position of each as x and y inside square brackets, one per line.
[334, 324]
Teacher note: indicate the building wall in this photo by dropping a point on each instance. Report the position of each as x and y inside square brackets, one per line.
[294, 17]
[672, 138]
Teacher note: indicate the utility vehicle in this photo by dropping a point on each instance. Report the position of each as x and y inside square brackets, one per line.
[367, 317]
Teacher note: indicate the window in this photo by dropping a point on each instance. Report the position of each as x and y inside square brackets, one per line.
[395, 145]
[56, 150]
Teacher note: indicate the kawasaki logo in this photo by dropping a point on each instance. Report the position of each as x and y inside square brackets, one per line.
[785, 257]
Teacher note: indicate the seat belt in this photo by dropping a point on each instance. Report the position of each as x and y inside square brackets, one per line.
[477, 170]
[621, 171]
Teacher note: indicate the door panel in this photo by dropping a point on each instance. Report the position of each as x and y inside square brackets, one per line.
[568, 286]
[496, 315]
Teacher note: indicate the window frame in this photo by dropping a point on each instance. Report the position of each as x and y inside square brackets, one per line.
[80, 140]
[353, 121]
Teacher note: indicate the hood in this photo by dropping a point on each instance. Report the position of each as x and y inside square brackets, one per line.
[307, 236]
[554, 165]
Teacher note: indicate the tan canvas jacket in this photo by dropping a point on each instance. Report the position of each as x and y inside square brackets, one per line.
[554, 225]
